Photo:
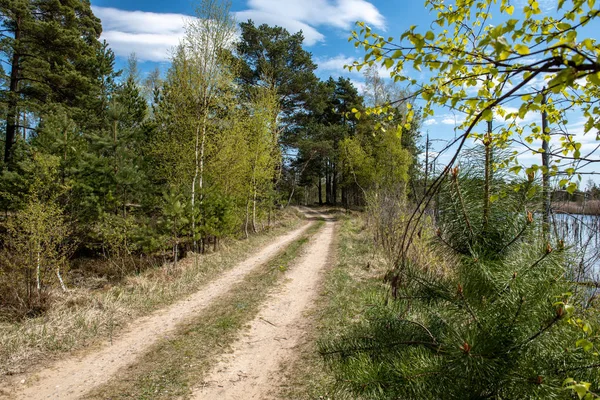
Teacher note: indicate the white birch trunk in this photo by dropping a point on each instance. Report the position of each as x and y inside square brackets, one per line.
[247, 218]
[254, 212]
[194, 192]
[60, 279]
[38, 272]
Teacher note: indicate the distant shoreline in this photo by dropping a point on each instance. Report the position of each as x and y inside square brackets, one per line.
[590, 207]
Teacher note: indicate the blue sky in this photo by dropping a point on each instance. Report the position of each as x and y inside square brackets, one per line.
[150, 28]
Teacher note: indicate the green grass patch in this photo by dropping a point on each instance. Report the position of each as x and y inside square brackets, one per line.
[347, 289]
[178, 363]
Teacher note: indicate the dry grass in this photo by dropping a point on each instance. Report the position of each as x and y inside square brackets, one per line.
[174, 366]
[82, 317]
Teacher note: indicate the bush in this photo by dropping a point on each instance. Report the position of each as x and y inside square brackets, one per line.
[36, 244]
[504, 324]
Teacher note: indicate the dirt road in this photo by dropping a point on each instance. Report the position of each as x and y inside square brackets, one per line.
[251, 371]
[73, 377]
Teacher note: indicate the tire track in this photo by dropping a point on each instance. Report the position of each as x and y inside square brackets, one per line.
[73, 377]
[253, 367]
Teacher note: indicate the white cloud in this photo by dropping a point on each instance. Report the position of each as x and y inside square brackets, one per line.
[545, 5]
[452, 120]
[429, 122]
[359, 85]
[334, 66]
[146, 46]
[311, 35]
[309, 14]
[150, 35]
[334, 63]
[339, 13]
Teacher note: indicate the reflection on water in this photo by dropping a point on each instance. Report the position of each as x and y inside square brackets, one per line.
[581, 234]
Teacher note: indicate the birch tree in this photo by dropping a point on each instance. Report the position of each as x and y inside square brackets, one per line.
[206, 38]
[263, 150]
[191, 100]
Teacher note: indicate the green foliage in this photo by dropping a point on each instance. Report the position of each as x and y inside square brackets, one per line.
[51, 48]
[326, 124]
[378, 161]
[466, 53]
[38, 241]
[272, 53]
[219, 217]
[175, 220]
[502, 325]
[505, 322]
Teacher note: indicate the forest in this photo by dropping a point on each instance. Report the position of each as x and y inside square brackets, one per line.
[100, 163]
[486, 267]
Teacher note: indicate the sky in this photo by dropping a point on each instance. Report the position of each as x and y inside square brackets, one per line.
[151, 28]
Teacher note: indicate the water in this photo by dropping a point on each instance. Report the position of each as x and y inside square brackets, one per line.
[581, 233]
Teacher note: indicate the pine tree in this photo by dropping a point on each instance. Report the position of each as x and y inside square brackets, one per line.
[271, 55]
[51, 47]
[503, 324]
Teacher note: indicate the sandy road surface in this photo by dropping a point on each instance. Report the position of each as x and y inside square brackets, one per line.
[251, 371]
[73, 377]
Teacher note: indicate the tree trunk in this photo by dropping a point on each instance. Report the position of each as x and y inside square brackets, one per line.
[12, 112]
[60, 279]
[196, 173]
[426, 164]
[334, 185]
[488, 177]
[38, 273]
[327, 183]
[545, 171]
[320, 191]
[24, 126]
[247, 218]
[254, 213]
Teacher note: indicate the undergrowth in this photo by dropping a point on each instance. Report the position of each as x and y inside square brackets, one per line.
[82, 316]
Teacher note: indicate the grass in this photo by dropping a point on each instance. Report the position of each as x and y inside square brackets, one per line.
[174, 366]
[82, 316]
[357, 275]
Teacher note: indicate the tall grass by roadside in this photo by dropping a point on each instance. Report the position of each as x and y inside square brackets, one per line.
[356, 277]
[172, 367]
[82, 316]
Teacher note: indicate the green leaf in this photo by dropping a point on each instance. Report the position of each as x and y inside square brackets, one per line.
[581, 388]
[522, 49]
[594, 78]
[487, 115]
[563, 26]
[585, 344]
[569, 309]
